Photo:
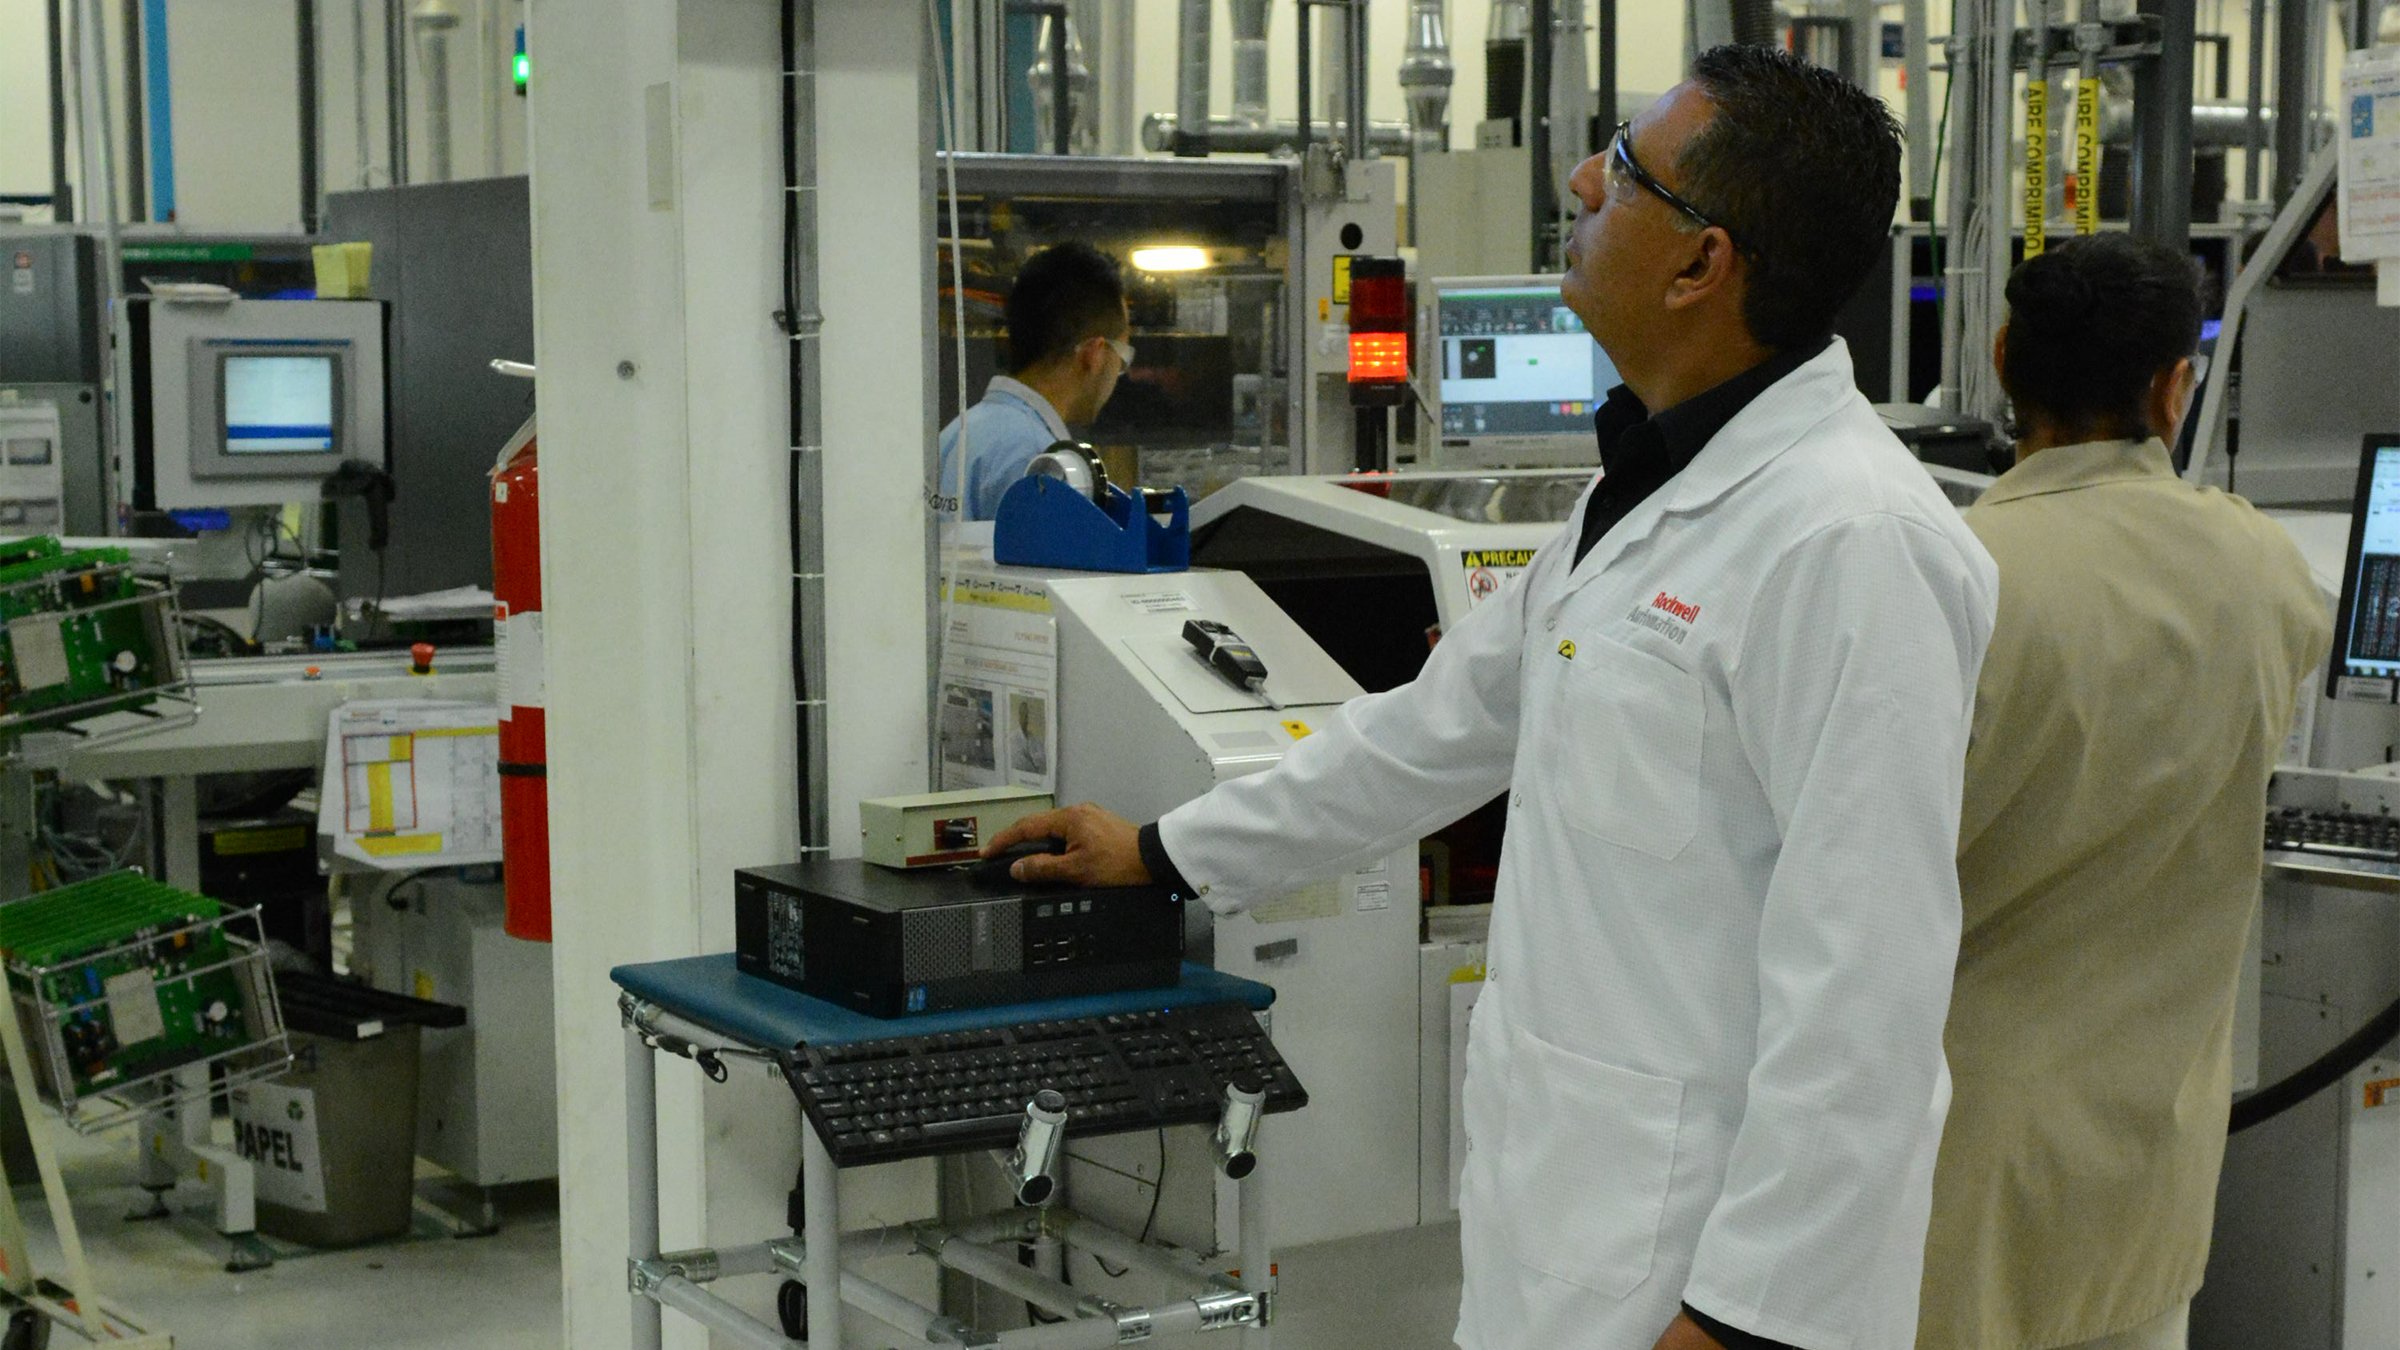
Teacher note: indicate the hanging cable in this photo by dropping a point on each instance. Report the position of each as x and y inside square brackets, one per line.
[2323, 1072]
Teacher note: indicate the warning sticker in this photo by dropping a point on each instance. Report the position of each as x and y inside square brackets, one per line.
[1491, 569]
[2382, 1091]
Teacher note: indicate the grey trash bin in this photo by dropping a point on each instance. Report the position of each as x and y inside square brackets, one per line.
[335, 1140]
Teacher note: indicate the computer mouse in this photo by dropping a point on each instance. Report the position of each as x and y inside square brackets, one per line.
[995, 868]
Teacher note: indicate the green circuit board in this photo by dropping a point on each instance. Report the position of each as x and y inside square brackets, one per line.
[70, 632]
[114, 970]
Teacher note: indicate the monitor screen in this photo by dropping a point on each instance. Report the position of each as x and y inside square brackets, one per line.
[2366, 655]
[281, 405]
[1515, 361]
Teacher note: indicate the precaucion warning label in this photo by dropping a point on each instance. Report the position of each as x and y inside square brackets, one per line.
[1490, 569]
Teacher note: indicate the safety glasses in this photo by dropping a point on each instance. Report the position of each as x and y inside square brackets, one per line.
[1621, 161]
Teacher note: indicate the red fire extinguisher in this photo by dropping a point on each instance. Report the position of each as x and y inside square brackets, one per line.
[517, 634]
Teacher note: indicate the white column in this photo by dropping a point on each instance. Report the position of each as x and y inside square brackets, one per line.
[656, 160]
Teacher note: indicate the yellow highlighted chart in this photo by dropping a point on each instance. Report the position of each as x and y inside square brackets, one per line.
[413, 783]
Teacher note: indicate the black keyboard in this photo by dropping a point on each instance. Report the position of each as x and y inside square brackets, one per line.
[2334, 834]
[915, 1096]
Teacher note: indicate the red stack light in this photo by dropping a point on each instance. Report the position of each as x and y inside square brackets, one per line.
[1378, 330]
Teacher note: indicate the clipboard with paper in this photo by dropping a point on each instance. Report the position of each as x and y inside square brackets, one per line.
[412, 783]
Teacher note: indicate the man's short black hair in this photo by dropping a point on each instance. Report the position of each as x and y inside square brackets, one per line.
[1063, 295]
[1802, 168]
[2091, 322]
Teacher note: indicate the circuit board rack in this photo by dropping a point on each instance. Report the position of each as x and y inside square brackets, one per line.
[86, 633]
[121, 981]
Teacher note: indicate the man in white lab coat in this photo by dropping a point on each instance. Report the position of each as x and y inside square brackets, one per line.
[1729, 704]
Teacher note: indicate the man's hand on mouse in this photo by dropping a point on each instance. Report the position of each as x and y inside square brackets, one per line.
[1103, 849]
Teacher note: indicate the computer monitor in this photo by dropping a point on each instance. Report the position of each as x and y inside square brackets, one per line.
[251, 402]
[1516, 375]
[2365, 665]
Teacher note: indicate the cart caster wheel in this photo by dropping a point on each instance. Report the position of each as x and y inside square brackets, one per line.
[27, 1330]
[791, 1307]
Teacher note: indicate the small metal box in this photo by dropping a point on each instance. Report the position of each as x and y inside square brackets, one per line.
[931, 829]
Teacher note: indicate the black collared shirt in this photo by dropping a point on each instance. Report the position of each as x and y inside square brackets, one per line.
[1640, 452]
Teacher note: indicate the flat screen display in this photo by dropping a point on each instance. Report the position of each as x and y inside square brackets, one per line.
[281, 405]
[2367, 631]
[1515, 361]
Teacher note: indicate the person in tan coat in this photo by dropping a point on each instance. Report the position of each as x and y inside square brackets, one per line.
[2152, 639]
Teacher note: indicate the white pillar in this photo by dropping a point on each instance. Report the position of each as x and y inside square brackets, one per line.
[656, 162]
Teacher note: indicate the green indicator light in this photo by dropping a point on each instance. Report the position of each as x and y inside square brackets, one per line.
[523, 66]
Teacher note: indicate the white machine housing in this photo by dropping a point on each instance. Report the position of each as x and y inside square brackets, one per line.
[1145, 725]
[1469, 532]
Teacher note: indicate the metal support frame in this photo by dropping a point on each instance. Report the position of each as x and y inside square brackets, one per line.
[2294, 24]
[1062, 79]
[1541, 40]
[824, 1257]
[312, 139]
[395, 89]
[84, 1309]
[2162, 131]
[137, 187]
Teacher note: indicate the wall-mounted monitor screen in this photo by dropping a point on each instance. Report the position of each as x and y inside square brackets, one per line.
[280, 405]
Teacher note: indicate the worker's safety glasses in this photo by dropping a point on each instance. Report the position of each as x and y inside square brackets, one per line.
[1622, 164]
[1124, 351]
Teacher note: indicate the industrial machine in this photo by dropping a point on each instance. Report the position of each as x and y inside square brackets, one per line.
[1237, 279]
[2305, 1238]
[52, 358]
[234, 402]
[1145, 722]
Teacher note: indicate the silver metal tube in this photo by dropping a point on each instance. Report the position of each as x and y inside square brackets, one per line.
[1016, 1281]
[395, 89]
[434, 20]
[1426, 75]
[884, 1306]
[821, 1229]
[709, 1264]
[641, 1176]
[2213, 124]
[1236, 1138]
[721, 1317]
[1258, 1269]
[1251, 21]
[358, 91]
[1227, 136]
[1033, 1167]
[1191, 73]
[2254, 129]
[491, 71]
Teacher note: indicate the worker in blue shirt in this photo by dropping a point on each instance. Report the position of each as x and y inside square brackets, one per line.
[1067, 326]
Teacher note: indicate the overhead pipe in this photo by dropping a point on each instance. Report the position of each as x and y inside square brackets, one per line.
[1191, 77]
[1251, 20]
[62, 192]
[312, 138]
[434, 20]
[1354, 78]
[395, 89]
[137, 168]
[1161, 133]
[1504, 61]
[1425, 77]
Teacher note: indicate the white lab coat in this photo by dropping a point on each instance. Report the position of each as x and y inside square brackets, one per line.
[1708, 1065]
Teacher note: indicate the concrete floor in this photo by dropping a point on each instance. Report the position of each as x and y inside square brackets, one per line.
[492, 1293]
[1396, 1291]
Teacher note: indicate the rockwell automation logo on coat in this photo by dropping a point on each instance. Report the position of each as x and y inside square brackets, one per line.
[1669, 616]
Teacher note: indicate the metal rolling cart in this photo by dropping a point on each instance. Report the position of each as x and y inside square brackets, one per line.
[704, 1009]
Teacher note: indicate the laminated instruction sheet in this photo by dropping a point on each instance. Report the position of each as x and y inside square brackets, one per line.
[412, 783]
